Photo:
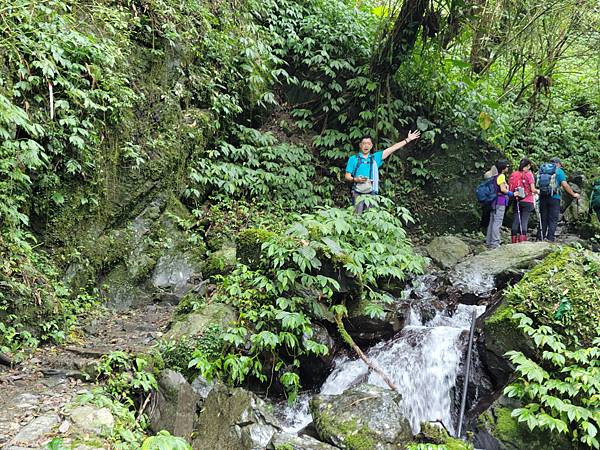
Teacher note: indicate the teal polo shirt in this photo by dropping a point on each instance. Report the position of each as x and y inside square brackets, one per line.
[560, 177]
[364, 168]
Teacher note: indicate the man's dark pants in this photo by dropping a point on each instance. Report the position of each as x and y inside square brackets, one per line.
[360, 206]
[549, 214]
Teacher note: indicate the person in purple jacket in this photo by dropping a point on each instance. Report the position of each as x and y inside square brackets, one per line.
[492, 239]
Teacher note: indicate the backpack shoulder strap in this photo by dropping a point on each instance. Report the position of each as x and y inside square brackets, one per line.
[356, 165]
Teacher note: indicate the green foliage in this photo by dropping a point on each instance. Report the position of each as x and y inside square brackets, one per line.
[128, 431]
[177, 355]
[562, 292]
[561, 392]
[126, 377]
[278, 301]
[164, 441]
[256, 167]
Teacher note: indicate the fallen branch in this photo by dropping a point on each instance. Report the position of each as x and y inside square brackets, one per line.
[348, 339]
[141, 411]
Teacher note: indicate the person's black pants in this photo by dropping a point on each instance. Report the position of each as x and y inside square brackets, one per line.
[486, 211]
[522, 211]
[549, 214]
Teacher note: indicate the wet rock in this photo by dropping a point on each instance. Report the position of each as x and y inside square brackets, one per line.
[363, 417]
[36, 429]
[234, 419]
[88, 419]
[202, 387]
[478, 276]
[447, 251]
[314, 369]
[366, 329]
[194, 324]
[497, 430]
[501, 334]
[174, 405]
[294, 442]
[175, 274]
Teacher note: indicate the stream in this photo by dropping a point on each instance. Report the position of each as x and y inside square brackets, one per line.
[423, 360]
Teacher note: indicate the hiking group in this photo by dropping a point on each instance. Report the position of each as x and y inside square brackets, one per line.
[496, 193]
[526, 193]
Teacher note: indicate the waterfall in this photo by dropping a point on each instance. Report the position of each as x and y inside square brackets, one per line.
[423, 361]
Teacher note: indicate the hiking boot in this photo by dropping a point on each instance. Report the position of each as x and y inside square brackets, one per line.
[523, 238]
[515, 239]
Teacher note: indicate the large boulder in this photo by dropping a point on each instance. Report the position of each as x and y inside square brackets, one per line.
[221, 261]
[196, 323]
[315, 369]
[361, 418]
[478, 276]
[234, 419]
[365, 328]
[447, 251]
[290, 441]
[174, 405]
[497, 430]
[501, 334]
[89, 419]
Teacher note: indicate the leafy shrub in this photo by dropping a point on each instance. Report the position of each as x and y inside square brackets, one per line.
[164, 441]
[126, 377]
[278, 301]
[559, 393]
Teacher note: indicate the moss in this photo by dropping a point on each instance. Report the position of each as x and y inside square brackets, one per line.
[354, 435]
[499, 422]
[570, 277]
[249, 243]
[433, 434]
[220, 262]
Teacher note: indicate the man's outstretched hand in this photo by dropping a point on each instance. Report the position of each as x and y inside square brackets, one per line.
[413, 136]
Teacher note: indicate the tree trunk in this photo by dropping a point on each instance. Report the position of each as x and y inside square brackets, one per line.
[400, 40]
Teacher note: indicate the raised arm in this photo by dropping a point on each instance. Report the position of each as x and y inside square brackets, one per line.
[412, 136]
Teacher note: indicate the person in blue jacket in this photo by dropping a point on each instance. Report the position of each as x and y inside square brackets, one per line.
[362, 169]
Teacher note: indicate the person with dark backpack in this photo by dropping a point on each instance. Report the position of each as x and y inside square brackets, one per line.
[522, 184]
[362, 169]
[551, 180]
[595, 198]
[499, 204]
[485, 195]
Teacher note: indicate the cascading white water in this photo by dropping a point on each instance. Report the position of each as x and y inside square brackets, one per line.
[423, 361]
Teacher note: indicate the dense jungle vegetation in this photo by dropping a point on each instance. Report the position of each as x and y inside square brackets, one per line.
[240, 115]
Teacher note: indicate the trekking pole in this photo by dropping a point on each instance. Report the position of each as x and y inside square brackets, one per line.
[519, 216]
[466, 380]
[537, 211]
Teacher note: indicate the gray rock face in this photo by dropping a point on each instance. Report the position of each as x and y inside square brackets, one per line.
[447, 251]
[294, 442]
[314, 370]
[202, 387]
[174, 405]
[363, 417]
[234, 419]
[196, 323]
[36, 429]
[87, 419]
[478, 276]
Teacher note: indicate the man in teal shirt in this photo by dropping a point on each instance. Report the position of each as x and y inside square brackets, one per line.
[362, 169]
[550, 205]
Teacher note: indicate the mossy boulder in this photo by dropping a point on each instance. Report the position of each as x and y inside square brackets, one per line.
[249, 245]
[234, 418]
[363, 418]
[196, 323]
[220, 262]
[432, 433]
[477, 277]
[447, 251]
[288, 441]
[497, 430]
[502, 334]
